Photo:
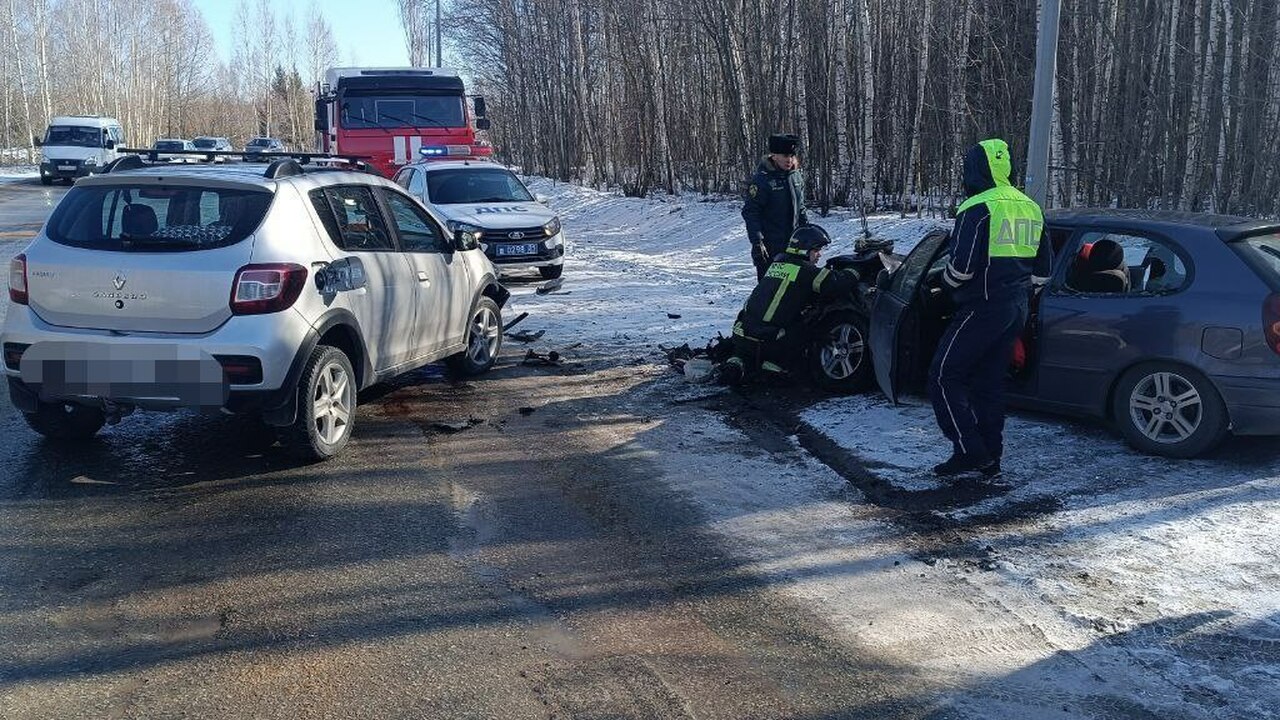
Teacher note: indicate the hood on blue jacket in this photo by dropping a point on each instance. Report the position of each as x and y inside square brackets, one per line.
[986, 166]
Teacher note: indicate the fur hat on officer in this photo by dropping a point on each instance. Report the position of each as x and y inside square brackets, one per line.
[784, 144]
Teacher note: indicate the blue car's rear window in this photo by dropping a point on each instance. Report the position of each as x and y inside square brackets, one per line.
[1262, 253]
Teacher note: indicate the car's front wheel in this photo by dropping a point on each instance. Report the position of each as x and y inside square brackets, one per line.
[326, 406]
[1170, 410]
[66, 421]
[839, 357]
[484, 340]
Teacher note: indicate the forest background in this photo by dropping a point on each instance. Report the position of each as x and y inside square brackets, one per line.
[1158, 103]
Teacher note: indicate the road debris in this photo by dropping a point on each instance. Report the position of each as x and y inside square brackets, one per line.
[526, 337]
[455, 426]
[549, 286]
[535, 359]
[513, 323]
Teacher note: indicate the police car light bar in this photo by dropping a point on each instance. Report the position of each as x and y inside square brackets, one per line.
[445, 151]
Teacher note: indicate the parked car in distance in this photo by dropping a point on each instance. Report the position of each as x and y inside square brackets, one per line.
[174, 146]
[75, 146]
[489, 202]
[1165, 324]
[216, 144]
[275, 294]
[254, 149]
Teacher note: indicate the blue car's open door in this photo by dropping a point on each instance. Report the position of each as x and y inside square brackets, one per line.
[895, 317]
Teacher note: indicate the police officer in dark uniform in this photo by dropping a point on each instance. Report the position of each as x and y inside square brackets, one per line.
[774, 201]
[769, 331]
[999, 252]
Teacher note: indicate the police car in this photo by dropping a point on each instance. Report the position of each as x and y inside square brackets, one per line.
[488, 204]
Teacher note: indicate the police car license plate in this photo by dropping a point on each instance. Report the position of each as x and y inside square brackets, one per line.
[521, 249]
[66, 167]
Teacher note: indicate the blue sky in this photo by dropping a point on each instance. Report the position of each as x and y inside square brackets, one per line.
[367, 31]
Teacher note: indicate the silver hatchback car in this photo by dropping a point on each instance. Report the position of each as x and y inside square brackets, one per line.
[230, 289]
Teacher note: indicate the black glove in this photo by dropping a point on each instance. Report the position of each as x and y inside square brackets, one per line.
[760, 252]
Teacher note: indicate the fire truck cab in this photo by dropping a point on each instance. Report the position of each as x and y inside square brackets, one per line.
[394, 116]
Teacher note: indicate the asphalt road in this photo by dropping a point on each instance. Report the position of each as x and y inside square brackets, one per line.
[180, 566]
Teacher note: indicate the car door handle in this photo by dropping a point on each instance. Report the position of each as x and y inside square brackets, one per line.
[422, 277]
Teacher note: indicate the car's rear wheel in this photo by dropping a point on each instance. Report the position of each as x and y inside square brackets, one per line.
[839, 358]
[1170, 410]
[551, 272]
[484, 340]
[326, 406]
[66, 421]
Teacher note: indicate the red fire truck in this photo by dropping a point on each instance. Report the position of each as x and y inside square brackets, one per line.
[394, 116]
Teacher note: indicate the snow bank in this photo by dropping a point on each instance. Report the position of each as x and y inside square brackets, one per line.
[632, 262]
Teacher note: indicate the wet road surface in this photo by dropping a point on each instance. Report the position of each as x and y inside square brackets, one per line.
[529, 566]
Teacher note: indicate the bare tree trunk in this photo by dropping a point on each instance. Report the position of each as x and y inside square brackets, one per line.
[910, 180]
[22, 80]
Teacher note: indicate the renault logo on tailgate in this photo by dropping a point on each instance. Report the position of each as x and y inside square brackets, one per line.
[119, 280]
[517, 235]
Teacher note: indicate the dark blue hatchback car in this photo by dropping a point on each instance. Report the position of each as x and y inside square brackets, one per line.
[1166, 324]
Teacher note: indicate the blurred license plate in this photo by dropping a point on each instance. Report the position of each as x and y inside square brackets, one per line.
[522, 249]
[66, 167]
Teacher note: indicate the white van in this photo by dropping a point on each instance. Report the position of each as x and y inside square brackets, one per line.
[78, 145]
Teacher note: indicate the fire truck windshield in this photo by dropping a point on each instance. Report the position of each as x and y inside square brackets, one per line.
[360, 112]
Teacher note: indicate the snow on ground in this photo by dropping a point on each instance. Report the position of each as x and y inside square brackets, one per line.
[633, 261]
[1116, 542]
[1118, 585]
[18, 173]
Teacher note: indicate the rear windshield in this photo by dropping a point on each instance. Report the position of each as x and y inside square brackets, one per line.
[156, 218]
[1262, 253]
[169, 145]
[205, 143]
[260, 142]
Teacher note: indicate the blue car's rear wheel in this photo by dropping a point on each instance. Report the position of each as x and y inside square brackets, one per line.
[1170, 410]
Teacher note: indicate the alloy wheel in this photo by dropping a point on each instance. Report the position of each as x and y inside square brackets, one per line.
[332, 403]
[843, 352]
[1166, 407]
[485, 336]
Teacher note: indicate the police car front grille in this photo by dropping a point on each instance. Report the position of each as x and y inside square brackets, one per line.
[533, 234]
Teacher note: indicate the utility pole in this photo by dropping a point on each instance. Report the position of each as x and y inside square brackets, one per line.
[439, 50]
[1037, 184]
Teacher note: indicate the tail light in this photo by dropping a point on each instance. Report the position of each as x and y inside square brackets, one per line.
[13, 355]
[18, 280]
[267, 288]
[241, 369]
[1271, 321]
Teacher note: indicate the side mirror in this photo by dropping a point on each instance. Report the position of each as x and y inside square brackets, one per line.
[483, 123]
[37, 141]
[322, 116]
[478, 103]
[110, 144]
[464, 242]
[542, 198]
[882, 280]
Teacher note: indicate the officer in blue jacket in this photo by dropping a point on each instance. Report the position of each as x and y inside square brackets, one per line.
[999, 252]
[773, 203]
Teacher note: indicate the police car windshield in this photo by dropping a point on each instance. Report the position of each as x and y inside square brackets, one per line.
[472, 185]
[74, 135]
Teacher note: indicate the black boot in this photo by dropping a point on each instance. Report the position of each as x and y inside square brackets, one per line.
[959, 464]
